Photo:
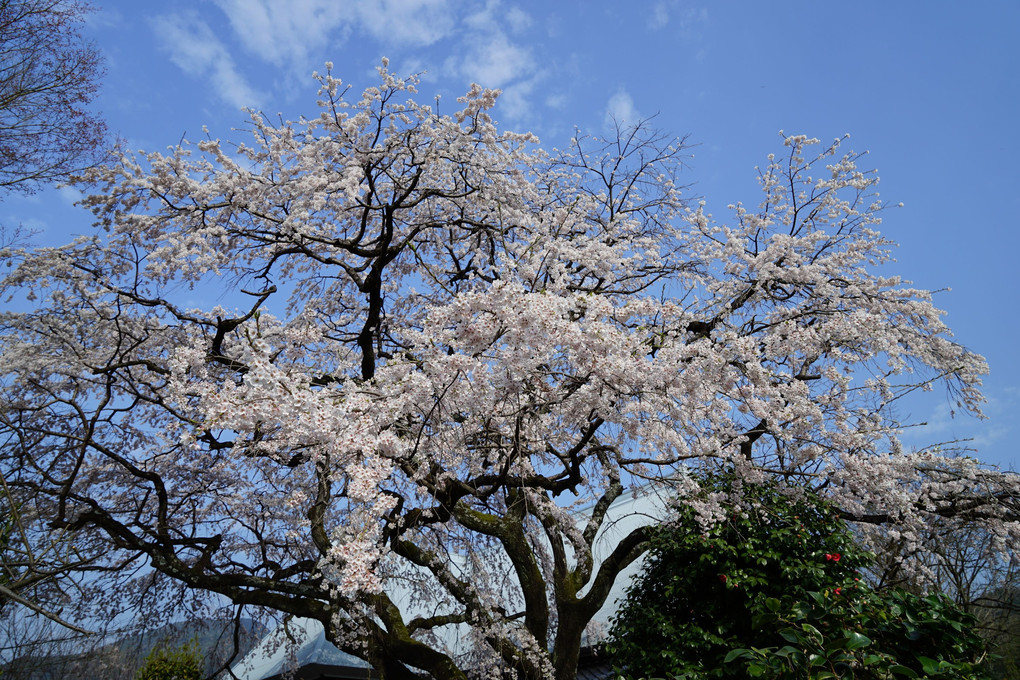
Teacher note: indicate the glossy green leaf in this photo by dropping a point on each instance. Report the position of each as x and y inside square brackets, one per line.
[737, 654]
[808, 628]
[929, 665]
[856, 641]
[792, 635]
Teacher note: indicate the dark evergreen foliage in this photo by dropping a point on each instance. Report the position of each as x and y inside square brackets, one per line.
[775, 591]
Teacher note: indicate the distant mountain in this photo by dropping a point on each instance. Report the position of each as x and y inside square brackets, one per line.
[120, 660]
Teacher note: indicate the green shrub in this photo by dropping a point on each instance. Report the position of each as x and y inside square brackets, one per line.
[183, 663]
[775, 592]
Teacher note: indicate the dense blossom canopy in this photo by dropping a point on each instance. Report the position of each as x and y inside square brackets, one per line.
[389, 369]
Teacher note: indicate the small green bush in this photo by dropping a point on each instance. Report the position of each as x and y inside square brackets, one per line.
[183, 663]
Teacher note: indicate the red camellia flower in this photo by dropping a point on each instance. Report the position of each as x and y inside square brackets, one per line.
[835, 557]
[838, 591]
[722, 577]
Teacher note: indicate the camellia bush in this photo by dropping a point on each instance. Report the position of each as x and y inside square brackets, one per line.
[391, 369]
[775, 590]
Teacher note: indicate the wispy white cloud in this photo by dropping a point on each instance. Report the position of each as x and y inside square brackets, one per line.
[488, 41]
[197, 51]
[496, 61]
[285, 34]
[518, 20]
[30, 226]
[70, 195]
[288, 34]
[681, 14]
[281, 33]
[516, 102]
[987, 438]
[621, 111]
[994, 435]
[659, 16]
[491, 55]
[492, 58]
[411, 23]
[556, 100]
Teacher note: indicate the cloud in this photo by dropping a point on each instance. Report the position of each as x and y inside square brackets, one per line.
[70, 195]
[515, 103]
[556, 100]
[31, 227]
[197, 51]
[491, 58]
[518, 20]
[989, 439]
[487, 44]
[284, 33]
[620, 110]
[413, 23]
[993, 436]
[287, 33]
[490, 55]
[686, 18]
[495, 61]
[659, 16]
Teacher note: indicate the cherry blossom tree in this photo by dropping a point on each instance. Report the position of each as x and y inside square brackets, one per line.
[390, 369]
[48, 77]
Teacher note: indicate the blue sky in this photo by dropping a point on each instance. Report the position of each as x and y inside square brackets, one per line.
[931, 88]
